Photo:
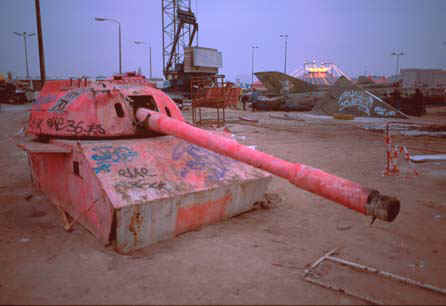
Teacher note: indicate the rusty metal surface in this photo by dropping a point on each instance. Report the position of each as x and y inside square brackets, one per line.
[70, 184]
[88, 109]
[212, 92]
[156, 188]
[143, 224]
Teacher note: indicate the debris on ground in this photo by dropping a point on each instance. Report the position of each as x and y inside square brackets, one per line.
[428, 158]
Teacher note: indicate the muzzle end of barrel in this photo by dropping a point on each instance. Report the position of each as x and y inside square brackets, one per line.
[382, 207]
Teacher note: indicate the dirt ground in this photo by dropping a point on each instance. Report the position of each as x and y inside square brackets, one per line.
[256, 258]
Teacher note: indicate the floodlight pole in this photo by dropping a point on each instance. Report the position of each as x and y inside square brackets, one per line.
[139, 42]
[286, 41]
[119, 38]
[150, 60]
[252, 64]
[397, 54]
[444, 43]
[24, 35]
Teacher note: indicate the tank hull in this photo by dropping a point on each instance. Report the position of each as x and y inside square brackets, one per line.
[135, 192]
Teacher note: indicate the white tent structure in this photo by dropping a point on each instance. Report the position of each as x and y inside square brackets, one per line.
[319, 74]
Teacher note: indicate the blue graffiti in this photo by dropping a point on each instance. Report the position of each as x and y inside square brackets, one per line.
[106, 155]
[202, 159]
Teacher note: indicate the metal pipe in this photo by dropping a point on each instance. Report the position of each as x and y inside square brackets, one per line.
[344, 290]
[347, 193]
[402, 279]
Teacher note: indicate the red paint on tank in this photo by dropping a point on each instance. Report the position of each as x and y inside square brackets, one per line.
[196, 215]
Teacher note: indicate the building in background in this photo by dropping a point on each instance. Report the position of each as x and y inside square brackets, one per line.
[412, 77]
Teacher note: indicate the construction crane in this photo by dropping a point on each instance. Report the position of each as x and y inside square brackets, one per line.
[181, 60]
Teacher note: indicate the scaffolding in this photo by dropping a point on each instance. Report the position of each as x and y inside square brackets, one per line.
[212, 92]
[178, 30]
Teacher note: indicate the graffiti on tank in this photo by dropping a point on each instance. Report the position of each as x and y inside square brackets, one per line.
[384, 112]
[35, 123]
[353, 98]
[69, 97]
[140, 185]
[95, 129]
[135, 172]
[76, 128]
[200, 159]
[105, 156]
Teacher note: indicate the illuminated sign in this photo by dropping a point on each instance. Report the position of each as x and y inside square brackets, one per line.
[316, 69]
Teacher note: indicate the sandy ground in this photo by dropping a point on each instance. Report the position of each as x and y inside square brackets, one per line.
[258, 257]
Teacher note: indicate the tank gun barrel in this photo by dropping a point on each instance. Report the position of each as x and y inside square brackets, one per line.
[345, 192]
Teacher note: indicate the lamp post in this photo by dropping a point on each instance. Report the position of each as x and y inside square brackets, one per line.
[119, 33]
[286, 41]
[397, 54]
[138, 42]
[444, 43]
[25, 35]
[252, 64]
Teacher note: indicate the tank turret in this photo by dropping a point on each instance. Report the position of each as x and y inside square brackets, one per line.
[85, 109]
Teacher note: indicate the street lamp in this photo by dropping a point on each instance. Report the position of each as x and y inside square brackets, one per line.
[119, 33]
[24, 35]
[286, 40]
[137, 42]
[397, 54]
[444, 43]
[252, 64]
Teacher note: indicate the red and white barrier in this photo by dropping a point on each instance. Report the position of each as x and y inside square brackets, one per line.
[392, 154]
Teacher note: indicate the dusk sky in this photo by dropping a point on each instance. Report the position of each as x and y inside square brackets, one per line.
[357, 35]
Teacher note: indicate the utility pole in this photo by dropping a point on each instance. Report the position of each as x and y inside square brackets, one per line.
[252, 64]
[286, 41]
[40, 39]
[25, 35]
[397, 54]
